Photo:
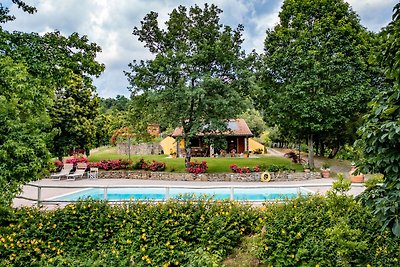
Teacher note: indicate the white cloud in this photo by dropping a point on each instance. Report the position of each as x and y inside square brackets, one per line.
[374, 14]
[110, 25]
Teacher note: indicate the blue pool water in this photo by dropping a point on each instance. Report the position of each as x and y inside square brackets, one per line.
[160, 194]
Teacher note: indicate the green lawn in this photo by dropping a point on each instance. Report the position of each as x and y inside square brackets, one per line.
[214, 164]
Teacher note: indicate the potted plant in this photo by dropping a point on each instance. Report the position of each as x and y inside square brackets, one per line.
[354, 175]
[325, 170]
[246, 154]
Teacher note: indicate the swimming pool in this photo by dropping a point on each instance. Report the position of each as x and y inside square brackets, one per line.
[164, 193]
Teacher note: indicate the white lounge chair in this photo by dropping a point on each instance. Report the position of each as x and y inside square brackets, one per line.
[93, 173]
[81, 165]
[77, 173]
[64, 172]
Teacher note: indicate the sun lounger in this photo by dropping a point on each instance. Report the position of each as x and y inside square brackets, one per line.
[76, 174]
[81, 165]
[64, 172]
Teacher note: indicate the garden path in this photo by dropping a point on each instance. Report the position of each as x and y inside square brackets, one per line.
[337, 166]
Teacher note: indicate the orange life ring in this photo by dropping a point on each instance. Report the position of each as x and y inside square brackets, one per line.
[265, 179]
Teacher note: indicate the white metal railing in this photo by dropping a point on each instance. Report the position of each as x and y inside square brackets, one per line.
[40, 201]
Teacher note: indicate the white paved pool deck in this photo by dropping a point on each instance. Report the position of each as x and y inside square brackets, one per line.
[316, 185]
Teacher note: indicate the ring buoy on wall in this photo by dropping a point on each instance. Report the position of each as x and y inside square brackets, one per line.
[265, 177]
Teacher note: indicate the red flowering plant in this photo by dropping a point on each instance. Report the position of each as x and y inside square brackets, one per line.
[118, 164]
[77, 158]
[149, 166]
[156, 166]
[122, 164]
[197, 167]
[237, 169]
[56, 166]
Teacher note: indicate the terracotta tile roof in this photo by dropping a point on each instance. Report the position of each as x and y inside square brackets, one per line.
[238, 127]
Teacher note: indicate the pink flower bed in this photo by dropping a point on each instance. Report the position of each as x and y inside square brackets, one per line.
[237, 169]
[197, 167]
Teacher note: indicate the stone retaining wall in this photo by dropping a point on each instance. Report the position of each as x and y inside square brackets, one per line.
[211, 177]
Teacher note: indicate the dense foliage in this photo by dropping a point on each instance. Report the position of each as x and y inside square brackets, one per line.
[197, 75]
[66, 65]
[316, 70]
[137, 234]
[23, 124]
[319, 231]
[47, 101]
[380, 134]
[307, 231]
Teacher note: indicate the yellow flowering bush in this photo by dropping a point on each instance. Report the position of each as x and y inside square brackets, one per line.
[134, 234]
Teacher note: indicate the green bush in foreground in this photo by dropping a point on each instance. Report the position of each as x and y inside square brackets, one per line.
[137, 234]
[308, 231]
[324, 231]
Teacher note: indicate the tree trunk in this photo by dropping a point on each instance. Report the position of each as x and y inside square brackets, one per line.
[188, 156]
[311, 151]
[317, 143]
[334, 152]
[322, 149]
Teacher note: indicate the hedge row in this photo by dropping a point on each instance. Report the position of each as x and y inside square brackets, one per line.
[137, 234]
[307, 231]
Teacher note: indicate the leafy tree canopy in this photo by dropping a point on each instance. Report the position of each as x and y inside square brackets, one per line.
[44, 78]
[67, 65]
[109, 105]
[316, 66]
[380, 134]
[196, 78]
[255, 121]
[23, 125]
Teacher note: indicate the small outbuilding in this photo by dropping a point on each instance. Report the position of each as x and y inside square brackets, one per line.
[236, 140]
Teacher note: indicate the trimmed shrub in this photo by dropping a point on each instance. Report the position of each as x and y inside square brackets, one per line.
[319, 231]
[110, 164]
[237, 169]
[197, 167]
[148, 166]
[136, 234]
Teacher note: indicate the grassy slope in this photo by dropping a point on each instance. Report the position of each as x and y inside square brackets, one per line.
[214, 164]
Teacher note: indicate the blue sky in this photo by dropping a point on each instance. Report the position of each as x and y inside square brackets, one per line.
[110, 25]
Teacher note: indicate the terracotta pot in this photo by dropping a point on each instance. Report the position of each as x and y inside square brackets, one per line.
[325, 173]
[355, 178]
[245, 155]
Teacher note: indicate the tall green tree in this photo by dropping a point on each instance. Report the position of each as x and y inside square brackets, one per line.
[380, 134]
[67, 65]
[73, 114]
[316, 67]
[34, 71]
[24, 124]
[196, 77]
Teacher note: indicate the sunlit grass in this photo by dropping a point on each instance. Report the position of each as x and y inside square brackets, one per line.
[215, 165]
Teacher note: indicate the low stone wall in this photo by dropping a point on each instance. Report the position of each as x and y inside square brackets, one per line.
[211, 177]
